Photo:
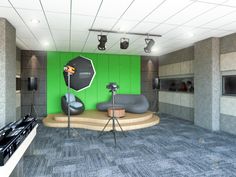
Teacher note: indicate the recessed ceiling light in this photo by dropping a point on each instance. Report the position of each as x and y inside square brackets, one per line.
[190, 34]
[45, 43]
[122, 29]
[35, 21]
[154, 49]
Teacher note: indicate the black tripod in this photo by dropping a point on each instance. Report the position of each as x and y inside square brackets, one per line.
[113, 119]
[32, 106]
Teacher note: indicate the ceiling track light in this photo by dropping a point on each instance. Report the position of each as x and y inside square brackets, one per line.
[119, 32]
[124, 43]
[149, 44]
[102, 42]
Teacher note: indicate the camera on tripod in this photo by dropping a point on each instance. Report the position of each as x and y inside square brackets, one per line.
[112, 86]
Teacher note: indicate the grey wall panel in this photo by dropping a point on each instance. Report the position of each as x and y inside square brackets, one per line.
[149, 70]
[228, 123]
[228, 44]
[177, 111]
[177, 56]
[34, 64]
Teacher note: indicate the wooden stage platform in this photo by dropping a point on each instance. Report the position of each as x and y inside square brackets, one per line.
[95, 120]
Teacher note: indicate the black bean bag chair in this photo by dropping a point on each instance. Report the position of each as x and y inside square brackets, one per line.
[76, 105]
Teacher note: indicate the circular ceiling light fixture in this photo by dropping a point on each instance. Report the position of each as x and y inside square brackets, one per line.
[35, 21]
[124, 43]
[102, 42]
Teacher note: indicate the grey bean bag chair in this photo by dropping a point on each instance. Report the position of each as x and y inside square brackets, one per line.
[130, 102]
[76, 105]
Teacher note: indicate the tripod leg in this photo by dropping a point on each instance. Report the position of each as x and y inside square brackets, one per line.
[114, 129]
[104, 128]
[120, 127]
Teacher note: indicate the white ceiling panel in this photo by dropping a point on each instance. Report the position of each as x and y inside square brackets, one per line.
[125, 25]
[113, 8]
[26, 4]
[213, 1]
[190, 12]
[11, 16]
[168, 9]
[211, 15]
[21, 44]
[85, 7]
[79, 36]
[144, 27]
[81, 22]
[163, 28]
[221, 22]
[62, 45]
[32, 43]
[62, 6]
[29, 15]
[58, 20]
[104, 23]
[61, 35]
[230, 27]
[5, 3]
[23, 32]
[181, 23]
[140, 9]
[42, 34]
[230, 3]
[76, 45]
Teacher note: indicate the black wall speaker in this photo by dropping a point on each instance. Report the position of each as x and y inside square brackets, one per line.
[155, 83]
[32, 83]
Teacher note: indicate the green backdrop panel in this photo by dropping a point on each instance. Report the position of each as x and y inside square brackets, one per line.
[122, 69]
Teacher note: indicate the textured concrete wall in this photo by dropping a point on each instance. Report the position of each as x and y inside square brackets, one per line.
[33, 64]
[228, 43]
[177, 56]
[207, 84]
[228, 111]
[149, 70]
[7, 72]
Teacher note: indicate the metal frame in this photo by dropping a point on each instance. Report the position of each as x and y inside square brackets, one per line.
[120, 32]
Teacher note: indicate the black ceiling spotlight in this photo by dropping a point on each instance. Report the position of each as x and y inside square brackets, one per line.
[150, 43]
[102, 42]
[124, 43]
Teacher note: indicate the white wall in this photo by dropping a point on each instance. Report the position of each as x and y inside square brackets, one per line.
[228, 66]
[176, 98]
[176, 69]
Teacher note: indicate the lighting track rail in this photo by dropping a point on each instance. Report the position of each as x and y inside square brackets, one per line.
[120, 32]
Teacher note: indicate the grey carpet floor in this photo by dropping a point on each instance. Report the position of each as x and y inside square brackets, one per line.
[173, 148]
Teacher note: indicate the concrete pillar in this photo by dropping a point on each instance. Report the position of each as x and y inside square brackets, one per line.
[207, 84]
[7, 72]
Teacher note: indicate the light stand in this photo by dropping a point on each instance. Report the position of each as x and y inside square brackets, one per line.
[155, 86]
[70, 71]
[113, 119]
[32, 106]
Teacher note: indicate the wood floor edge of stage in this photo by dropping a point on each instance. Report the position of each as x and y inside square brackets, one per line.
[96, 120]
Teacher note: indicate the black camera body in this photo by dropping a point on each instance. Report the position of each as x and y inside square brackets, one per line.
[112, 86]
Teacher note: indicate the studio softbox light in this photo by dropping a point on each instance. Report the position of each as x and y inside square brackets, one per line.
[84, 73]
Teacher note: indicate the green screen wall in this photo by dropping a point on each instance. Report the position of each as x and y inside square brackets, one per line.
[122, 69]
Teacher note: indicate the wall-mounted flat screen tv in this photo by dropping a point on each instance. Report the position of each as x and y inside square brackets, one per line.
[229, 85]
